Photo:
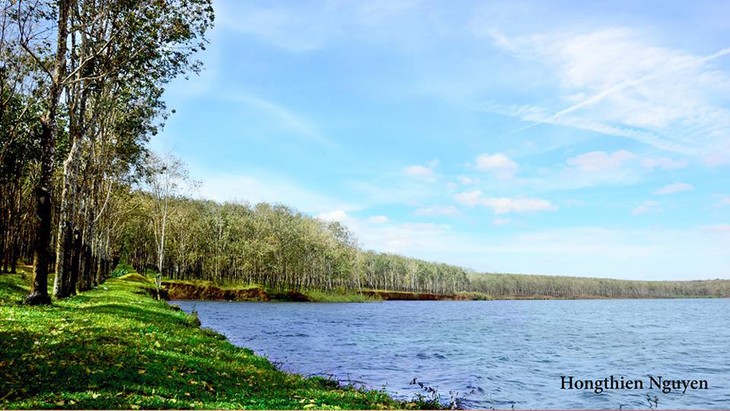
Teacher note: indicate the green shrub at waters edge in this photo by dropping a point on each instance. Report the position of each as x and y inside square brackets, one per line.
[339, 297]
[116, 347]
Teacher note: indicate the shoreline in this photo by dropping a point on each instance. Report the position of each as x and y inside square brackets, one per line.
[205, 291]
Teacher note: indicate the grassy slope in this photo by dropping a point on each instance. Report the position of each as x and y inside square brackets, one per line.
[206, 290]
[115, 347]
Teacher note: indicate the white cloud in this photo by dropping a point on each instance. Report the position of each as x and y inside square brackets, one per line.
[646, 207]
[504, 205]
[332, 216]
[674, 188]
[497, 163]
[437, 211]
[419, 171]
[470, 198]
[600, 161]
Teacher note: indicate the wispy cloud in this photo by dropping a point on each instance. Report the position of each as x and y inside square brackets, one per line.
[600, 161]
[302, 27]
[666, 98]
[466, 180]
[646, 207]
[418, 171]
[378, 219]
[285, 28]
[663, 163]
[674, 188]
[442, 210]
[717, 229]
[286, 117]
[333, 216]
[501, 221]
[504, 205]
[723, 202]
[426, 172]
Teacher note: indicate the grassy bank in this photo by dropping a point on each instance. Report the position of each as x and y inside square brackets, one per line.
[115, 347]
[206, 290]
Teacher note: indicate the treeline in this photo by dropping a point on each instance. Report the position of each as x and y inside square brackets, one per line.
[270, 245]
[275, 246]
[530, 286]
[81, 83]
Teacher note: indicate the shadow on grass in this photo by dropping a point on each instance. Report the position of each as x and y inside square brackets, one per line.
[139, 314]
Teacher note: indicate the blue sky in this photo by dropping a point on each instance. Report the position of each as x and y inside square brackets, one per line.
[561, 137]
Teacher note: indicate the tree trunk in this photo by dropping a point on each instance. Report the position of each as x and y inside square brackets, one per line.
[42, 246]
[39, 287]
[85, 283]
[64, 285]
[73, 277]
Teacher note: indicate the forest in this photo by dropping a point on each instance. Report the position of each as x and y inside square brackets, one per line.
[81, 94]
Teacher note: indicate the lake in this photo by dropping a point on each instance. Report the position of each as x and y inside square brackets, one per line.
[499, 353]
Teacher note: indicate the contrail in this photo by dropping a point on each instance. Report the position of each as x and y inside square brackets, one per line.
[619, 87]
[632, 83]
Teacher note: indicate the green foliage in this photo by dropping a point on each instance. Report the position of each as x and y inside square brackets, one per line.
[122, 269]
[135, 277]
[340, 297]
[544, 286]
[115, 347]
[271, 245]
[237, 244]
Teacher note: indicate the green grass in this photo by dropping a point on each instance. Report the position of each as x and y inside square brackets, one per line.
[206, 283]
[335, 296]
[116, 347]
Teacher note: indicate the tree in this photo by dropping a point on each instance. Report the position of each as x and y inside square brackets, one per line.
[122, 55]
[49, 130]
[167, 178]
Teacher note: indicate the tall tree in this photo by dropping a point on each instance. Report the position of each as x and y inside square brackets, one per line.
[122, 52]
[49, 129]
[166, 179]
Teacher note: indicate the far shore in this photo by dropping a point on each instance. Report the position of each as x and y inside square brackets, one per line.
[206, 291]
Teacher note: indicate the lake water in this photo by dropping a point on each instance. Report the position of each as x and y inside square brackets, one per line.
[496, 353]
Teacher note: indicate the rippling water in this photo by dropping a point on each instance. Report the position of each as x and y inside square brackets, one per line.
[495, 353]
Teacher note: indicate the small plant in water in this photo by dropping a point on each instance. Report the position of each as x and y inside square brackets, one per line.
[432, 399]
[194, 318]
[653, 402]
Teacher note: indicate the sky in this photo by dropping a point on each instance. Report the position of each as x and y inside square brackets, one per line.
[540, 137]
